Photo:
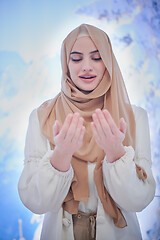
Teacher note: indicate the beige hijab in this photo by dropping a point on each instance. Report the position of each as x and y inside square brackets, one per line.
[110, 94]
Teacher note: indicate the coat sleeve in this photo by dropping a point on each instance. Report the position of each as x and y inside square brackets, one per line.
[41, 187]
[120, 178]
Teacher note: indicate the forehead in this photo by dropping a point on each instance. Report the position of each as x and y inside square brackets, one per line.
[84, 44]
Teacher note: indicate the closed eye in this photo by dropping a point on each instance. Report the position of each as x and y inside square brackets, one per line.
[95, 55]
[76, 56]
[76, 60]
[97, 59]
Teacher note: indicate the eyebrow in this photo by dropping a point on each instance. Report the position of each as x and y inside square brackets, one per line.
[95, 51]
[76, 53]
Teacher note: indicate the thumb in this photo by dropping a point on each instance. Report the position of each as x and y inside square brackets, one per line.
[123, 126]
[56, 128]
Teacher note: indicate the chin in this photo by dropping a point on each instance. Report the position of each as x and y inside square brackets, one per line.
[86, 90]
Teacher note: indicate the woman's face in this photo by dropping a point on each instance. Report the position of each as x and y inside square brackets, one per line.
[86, 67]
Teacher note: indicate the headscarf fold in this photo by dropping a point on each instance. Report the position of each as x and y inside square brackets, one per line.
[110, 94]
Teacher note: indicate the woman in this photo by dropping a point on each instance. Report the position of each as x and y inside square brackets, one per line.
[87, 153]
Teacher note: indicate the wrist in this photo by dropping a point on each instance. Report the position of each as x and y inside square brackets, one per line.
[116, 155]
[61, 160]
[61, 153]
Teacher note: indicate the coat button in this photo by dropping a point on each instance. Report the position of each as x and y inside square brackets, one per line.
[100, 220]
[66, 222]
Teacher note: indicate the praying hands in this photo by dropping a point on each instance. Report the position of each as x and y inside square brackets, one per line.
[69, 138]
[107, 135]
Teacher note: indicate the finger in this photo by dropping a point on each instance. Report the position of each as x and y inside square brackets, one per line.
[56, 128]
[123, 125]
[95, 132]
[98, 126]
[113, 127]
[78, 129]
[65, 126]
[73, 126]
[80, 139]
[104, 124]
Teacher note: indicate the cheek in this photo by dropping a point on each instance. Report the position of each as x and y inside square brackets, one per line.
[101, 68]
[73, 69]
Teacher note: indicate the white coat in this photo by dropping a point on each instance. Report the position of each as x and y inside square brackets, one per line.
[42, 188]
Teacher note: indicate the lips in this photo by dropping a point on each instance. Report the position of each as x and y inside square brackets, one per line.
[87, 78]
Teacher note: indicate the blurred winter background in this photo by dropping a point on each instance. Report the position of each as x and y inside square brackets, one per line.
[31, 33]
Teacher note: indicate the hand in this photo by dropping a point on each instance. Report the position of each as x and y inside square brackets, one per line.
[107, 135]
[68, 140]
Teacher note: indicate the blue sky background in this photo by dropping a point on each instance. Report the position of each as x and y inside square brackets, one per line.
[31, 33]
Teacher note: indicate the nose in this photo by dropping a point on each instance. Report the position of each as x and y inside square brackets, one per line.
[87, 65]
